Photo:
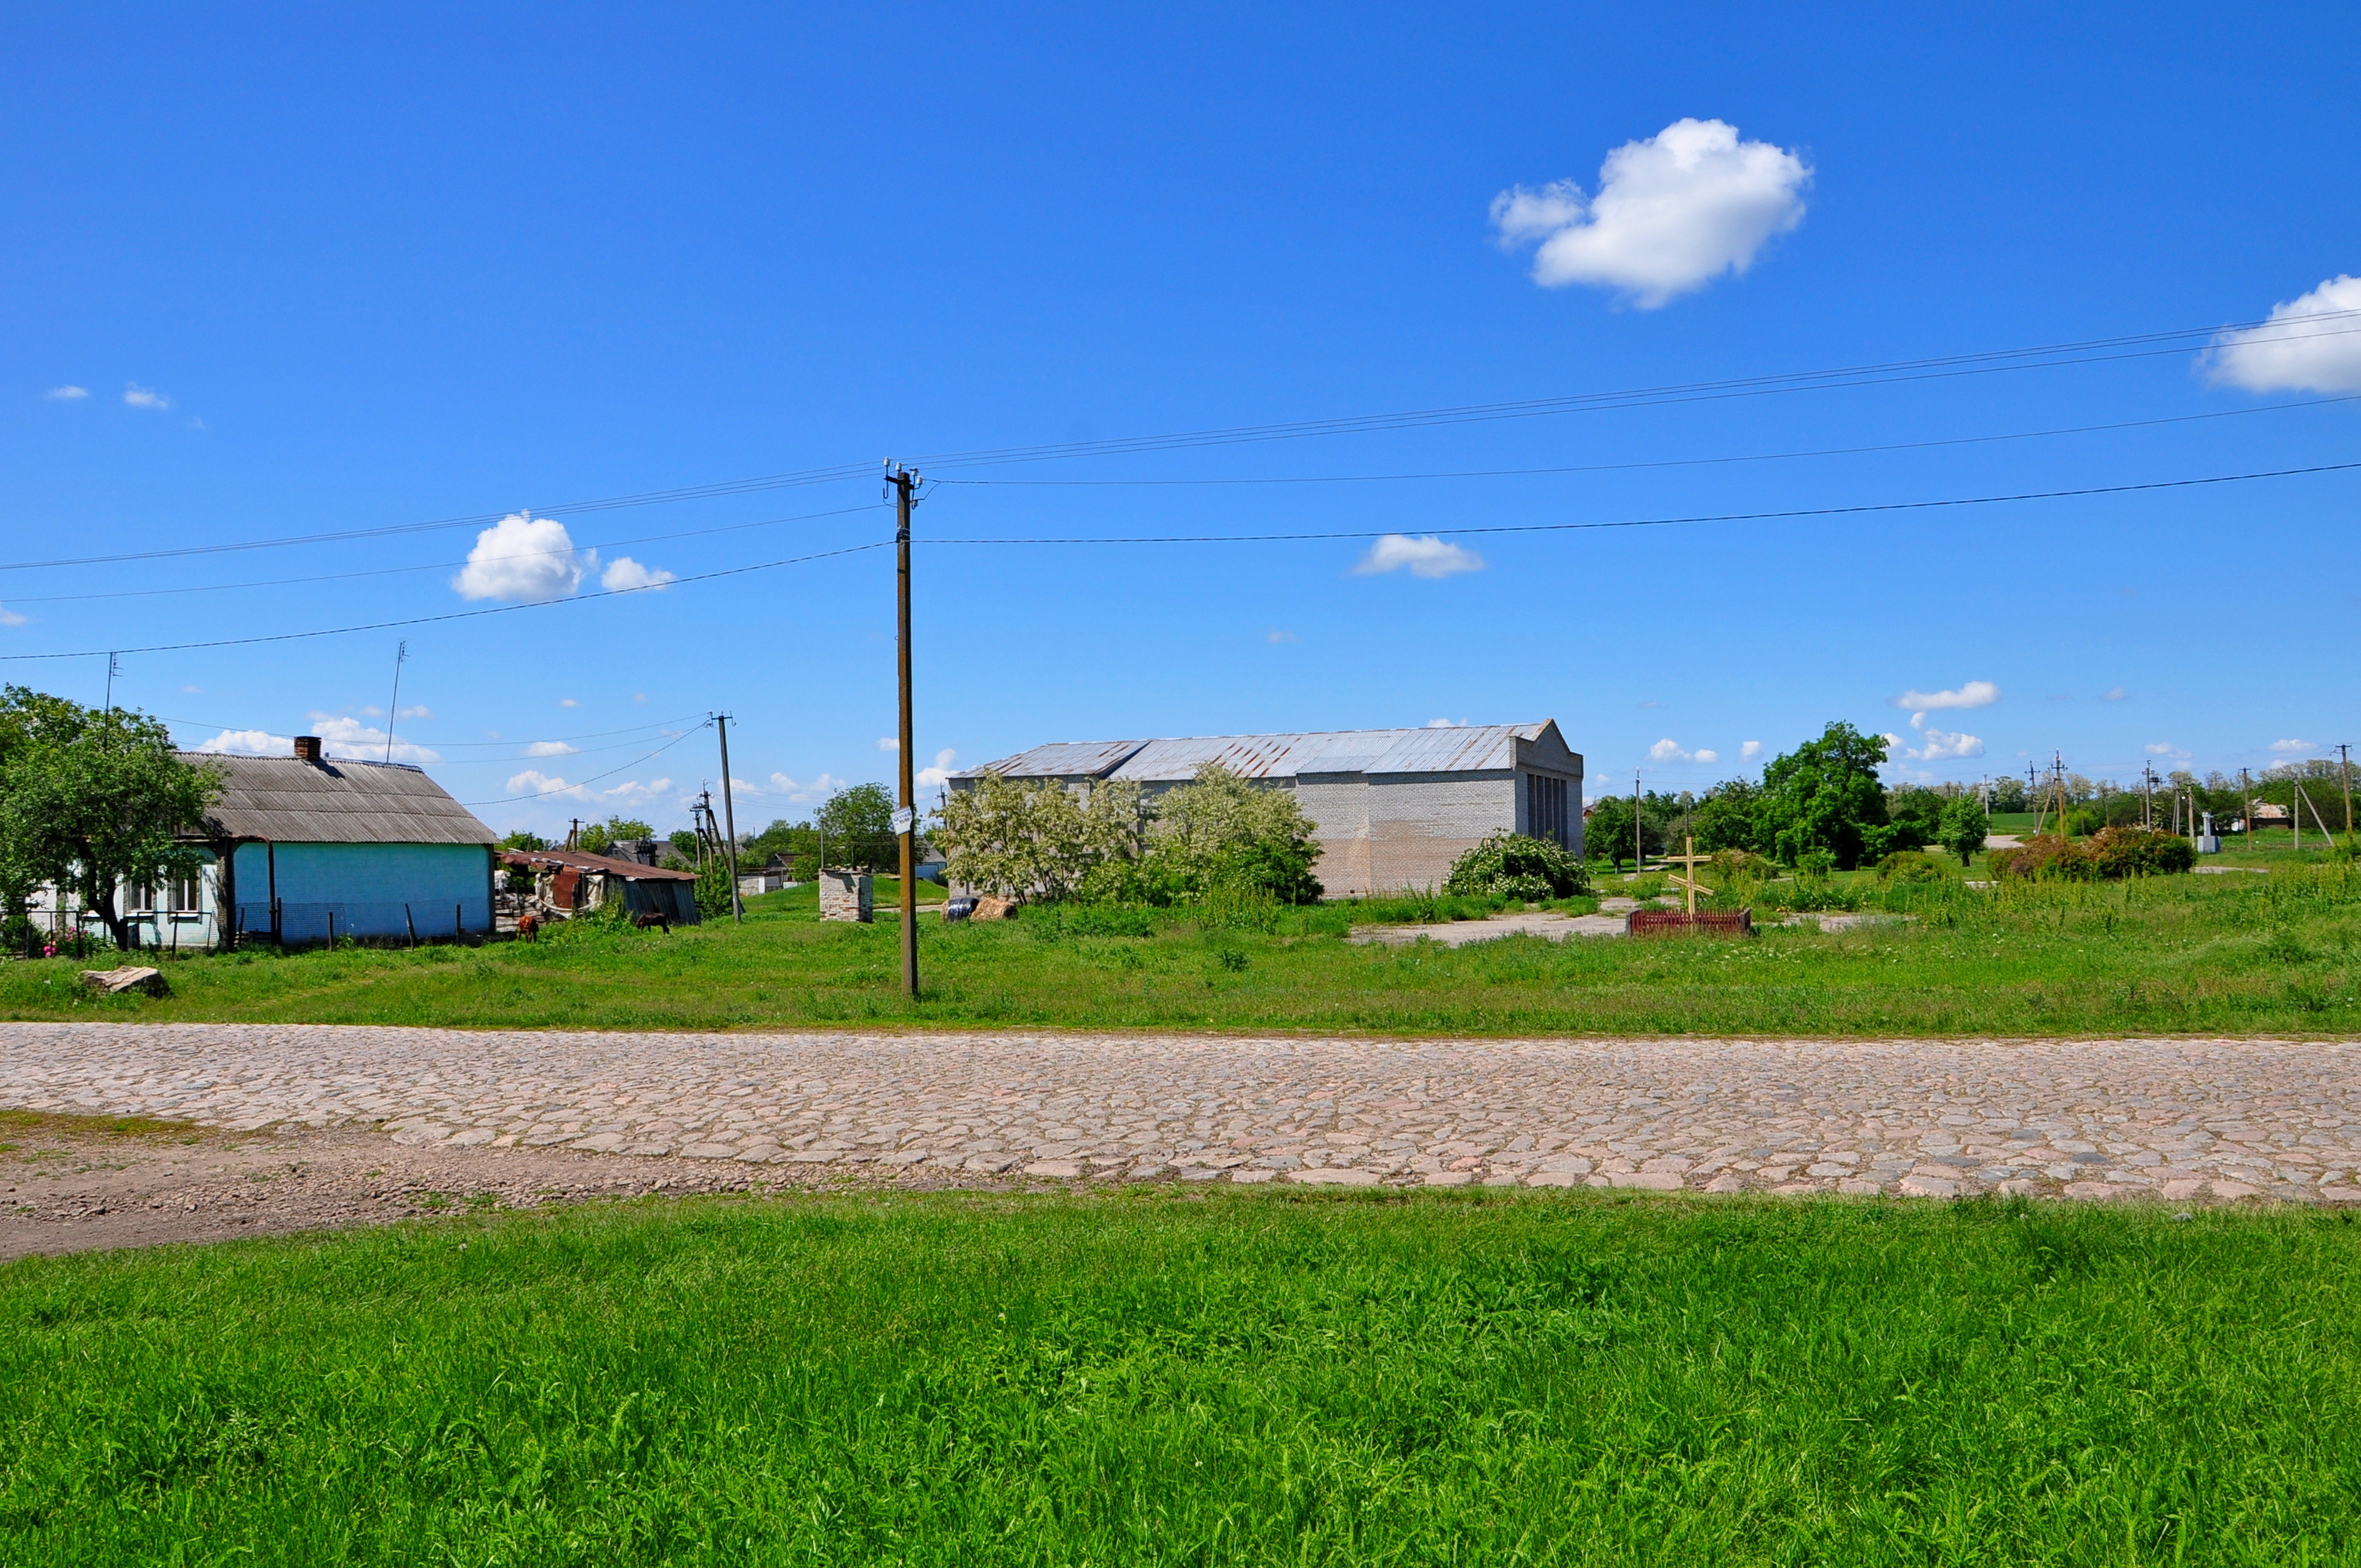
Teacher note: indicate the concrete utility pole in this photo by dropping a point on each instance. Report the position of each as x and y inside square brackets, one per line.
[906, 820]
[2147, 796]
[729, 822]
[2345, 771]
[392, 714]
[2246, 788]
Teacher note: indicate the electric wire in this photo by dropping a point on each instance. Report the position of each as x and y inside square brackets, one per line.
[1669, 521]
[2041, 357]
[594, 778]
[1653, 462]
[451, 615]
[436, 566]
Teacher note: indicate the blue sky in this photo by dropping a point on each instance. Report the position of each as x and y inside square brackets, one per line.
[319, 273]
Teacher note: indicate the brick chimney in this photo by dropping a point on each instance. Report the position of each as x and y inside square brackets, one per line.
[307, 749]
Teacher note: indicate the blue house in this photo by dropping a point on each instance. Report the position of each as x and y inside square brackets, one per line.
[303, 849]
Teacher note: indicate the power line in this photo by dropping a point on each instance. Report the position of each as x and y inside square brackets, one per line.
[2041, 357]
[1862, 507]
[1669, 521]
[1659, 462]
[437, 565]
[457, 614]
[456, 745]
[594, 778]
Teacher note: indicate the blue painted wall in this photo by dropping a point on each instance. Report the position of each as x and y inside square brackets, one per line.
[369, 887]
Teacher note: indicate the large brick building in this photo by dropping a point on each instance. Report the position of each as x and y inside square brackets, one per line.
[1394, 808]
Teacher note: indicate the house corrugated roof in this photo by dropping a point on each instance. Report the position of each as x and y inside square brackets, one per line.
[289, 801]
[629, 870]
[1461, 748]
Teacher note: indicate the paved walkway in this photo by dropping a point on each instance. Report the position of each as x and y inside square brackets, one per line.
[2178, 1120]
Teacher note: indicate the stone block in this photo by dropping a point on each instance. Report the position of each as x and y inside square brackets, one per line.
[847, 895]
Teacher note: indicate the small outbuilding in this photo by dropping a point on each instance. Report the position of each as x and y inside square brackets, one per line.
[566, 883]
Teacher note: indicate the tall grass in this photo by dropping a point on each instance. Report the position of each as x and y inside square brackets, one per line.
[1233, 1379]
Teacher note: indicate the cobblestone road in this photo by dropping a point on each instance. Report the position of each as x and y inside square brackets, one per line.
[2179, 1120]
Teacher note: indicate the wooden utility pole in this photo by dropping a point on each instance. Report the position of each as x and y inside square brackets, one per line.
[2147, 796]
[2246, 788]
[2345, 771]
[906, 820]
[1639, 845]
[729, 822]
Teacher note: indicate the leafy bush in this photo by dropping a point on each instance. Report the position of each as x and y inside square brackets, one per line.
[2113, 854]
[1510, 865]
[1964, 827]
[1039, 840]
[713, 890]
[1908, 865]
[1222, 833]
[1817, 865]
[2120, 852]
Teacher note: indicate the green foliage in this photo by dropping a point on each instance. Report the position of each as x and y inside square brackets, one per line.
[1909, 865]
[713, 890]
[1729, 817]
[523, 841]
[1511, 866]
[1221, 832]
[1038, 840]
[1963, 828]
[1825, 795]
[599, 836]
[1817, 865]
[1606, 830]
[1915, 813]
[1208, 1378]
[92, 799]
[858, 825]
[2111, 854]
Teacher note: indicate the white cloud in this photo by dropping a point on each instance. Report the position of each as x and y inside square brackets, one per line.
[350, 738]
[2305, 345]
[66, 394]
[639, 697]
[1670, 751]
[523, 557]
[550, 749]
[1276, 636]
[781, 784]
[193, 690]
[2293, 748]
[1673, 212]
[11, 618]
[2115, 694]
[1942, 745]
[625, 575]
[140, 397]
[888, 743]
[248, 743]
[1426, 556]
[1973, 693]
[419, 711]
[567, 702]
[941, 774]
[2166, 748]
[533, 782]
[1446, 724]
[1750, 750]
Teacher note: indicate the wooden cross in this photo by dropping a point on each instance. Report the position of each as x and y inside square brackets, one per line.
[1689, 884]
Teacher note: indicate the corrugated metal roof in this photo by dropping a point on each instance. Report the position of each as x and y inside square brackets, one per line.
[289, 801]
[1464, 749]
[629, 870]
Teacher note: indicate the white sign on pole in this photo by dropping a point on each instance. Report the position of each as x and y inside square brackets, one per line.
[904, 819]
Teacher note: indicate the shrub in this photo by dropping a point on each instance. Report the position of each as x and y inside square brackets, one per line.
[2046, 857]
[1817, 865]
[1908, 865]
[2137, 851]
[1224, 833]
[1510, 865]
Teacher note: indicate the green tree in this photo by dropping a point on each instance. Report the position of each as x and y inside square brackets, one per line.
[1606, 832]
[858, 825]
[1825, 794]
[92, 801]
[1221, 832]
[599, 836]
[1729, 817]
[521, 840]
[1037, 839]
[1964, 827]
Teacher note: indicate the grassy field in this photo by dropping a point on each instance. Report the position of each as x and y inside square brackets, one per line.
[2193, 954]
[1208, 1378]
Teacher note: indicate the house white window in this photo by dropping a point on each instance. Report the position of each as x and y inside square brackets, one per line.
[188, 892]
[138, 897]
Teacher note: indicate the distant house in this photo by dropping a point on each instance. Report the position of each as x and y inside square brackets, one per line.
[571, 882]
[1393, 808]
[298, 846]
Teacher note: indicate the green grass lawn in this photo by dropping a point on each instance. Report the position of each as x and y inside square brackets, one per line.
[1200, 1378]
[2190, 954]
